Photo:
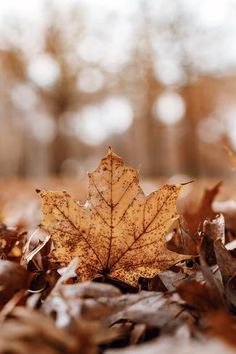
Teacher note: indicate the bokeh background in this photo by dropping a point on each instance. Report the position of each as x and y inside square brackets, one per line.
[155, 79]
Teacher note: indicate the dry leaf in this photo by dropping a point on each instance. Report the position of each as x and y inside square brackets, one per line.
[153, 309]
[68, 273]
[104, 302]
[182, 242]
[187, 239]
[227, 266]
[29, 331]
[215, 228]
[119, 231]
[89, 289]
[213, 283]
[225, 261]
[198, 296]
[88, 299]
[212, 230]
[179, 343]
[192, 222]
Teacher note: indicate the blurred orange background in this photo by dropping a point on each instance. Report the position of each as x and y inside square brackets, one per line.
[155, 79]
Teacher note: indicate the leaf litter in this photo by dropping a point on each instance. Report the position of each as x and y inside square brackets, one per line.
[100, 277]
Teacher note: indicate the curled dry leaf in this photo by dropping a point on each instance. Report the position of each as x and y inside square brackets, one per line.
[187, 239]
[68, 273]
[192, 222]
[118, 232]
[31, 250]
[172, 279]
[227, 266]
[225, 261]
[212, 230]
[215, 228]
[213, 283]
[231, 292]
[207, 296]
[182, 242]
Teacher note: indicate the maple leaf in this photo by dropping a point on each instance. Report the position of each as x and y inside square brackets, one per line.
[119, 232]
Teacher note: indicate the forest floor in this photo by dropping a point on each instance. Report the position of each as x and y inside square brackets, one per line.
[186, 308]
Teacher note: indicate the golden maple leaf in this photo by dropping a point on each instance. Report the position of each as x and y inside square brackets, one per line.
[119, 231]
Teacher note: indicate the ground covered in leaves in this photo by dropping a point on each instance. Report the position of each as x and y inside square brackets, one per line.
[120, 273]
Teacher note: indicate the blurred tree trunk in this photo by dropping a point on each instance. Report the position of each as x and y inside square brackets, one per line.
[190, 141]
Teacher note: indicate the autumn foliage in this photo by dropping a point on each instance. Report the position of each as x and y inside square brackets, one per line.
[100, 276]
[118, 231]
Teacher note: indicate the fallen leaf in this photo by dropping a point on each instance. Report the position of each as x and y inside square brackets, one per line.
[103, 302]
[212, 230]
[214, 285]
[29, 331]
[182, 242]
[230, 292]
[225, 261]
[227, 265]
[198, 296]
[118, 232]
[188, 237]
[30, 251]
[179, 343]
[171, 279]
[88, 299]
[150, 308]
[68, 273]
[192, 222]
[215, 228]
